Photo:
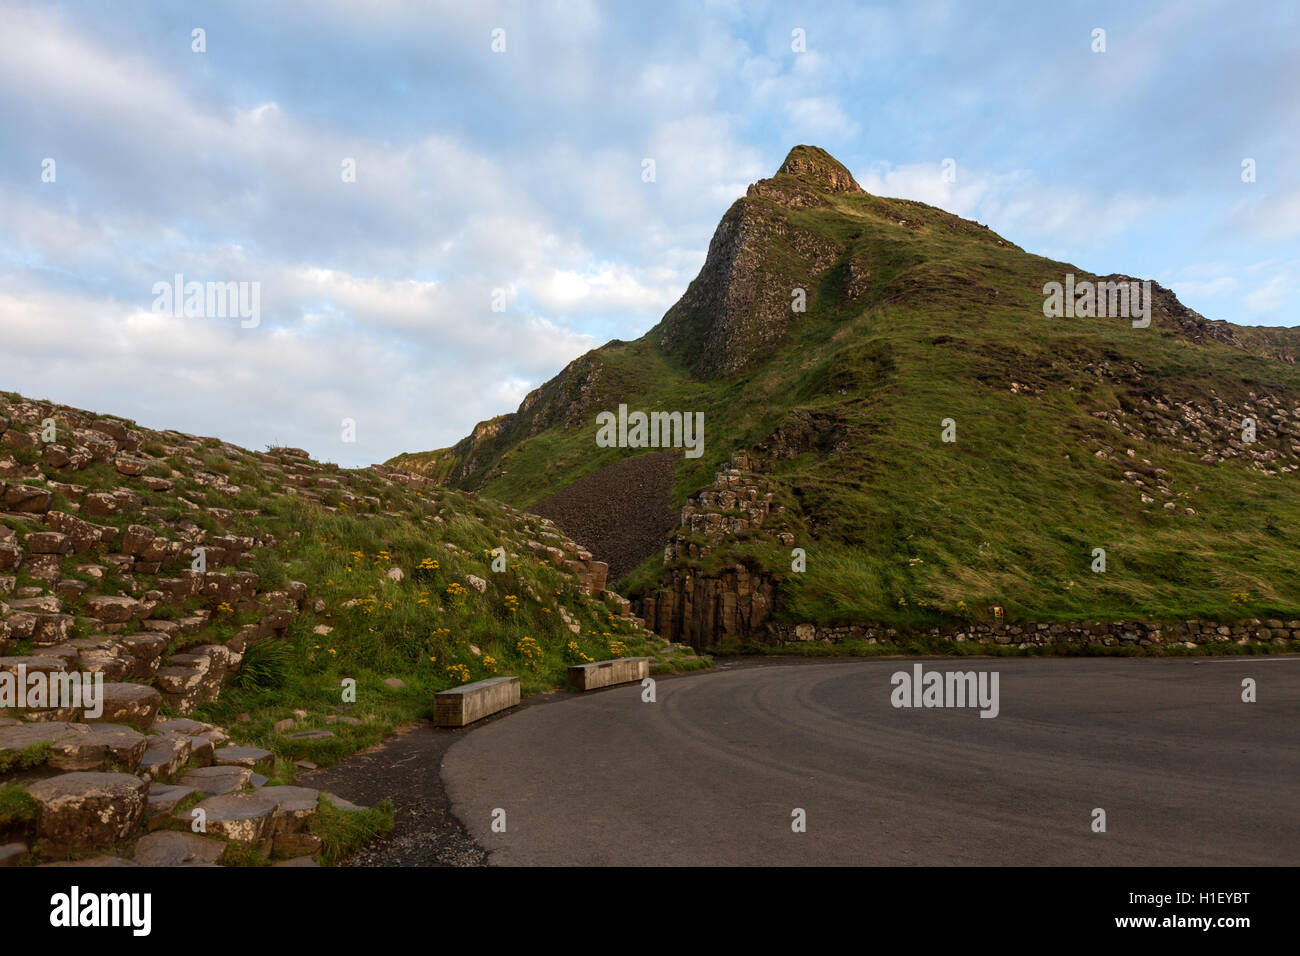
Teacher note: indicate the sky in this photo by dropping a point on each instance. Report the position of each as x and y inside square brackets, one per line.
[501, 221]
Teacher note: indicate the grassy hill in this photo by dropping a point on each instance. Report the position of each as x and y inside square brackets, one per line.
[1072, 433]
[311, 577]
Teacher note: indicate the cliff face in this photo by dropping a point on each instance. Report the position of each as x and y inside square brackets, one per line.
[741, 303]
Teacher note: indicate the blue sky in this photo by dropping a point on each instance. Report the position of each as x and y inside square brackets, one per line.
[520, 171]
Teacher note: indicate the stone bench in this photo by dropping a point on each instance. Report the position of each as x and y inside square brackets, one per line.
[622, 670]
[470, 702]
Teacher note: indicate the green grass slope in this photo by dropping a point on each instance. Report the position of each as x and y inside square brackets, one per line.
[401, 592]
[1072, 433]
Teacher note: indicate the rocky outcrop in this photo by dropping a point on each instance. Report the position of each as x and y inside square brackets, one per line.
[1262, 430]
[739, 501]
[814, 165]
[707, 609]
[741, 303]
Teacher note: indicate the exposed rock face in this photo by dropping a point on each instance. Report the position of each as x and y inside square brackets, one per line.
[912, 312]
[815, 165]
[742, 301]
[567, 553]
[739, 501]
[705, 609]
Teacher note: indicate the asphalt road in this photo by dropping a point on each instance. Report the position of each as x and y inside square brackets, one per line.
[710, 773]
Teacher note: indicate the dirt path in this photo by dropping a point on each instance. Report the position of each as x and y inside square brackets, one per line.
[406, 767]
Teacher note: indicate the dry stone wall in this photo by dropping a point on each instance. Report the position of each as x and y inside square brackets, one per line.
[1025, 635]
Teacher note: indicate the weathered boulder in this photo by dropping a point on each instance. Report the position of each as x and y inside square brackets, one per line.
[48, 542]
[127, 465]
[82, 534]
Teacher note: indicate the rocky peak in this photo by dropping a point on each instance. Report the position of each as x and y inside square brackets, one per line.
[819, 168]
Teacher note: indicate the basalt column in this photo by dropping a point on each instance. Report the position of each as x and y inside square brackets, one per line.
[706, 609]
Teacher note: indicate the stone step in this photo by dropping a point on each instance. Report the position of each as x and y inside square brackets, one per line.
[21, 669]
[254, 758]
[96, 746]
[127, 703]
[165, 754]
[243, 818]
[17, 737]
[204, 738]
[163, 800]
[190, 728]
[113, 609]
[100, 657]
[145, 651]
[463, 705]
[295, 806]
[174, 848]
[79, 811]
[215, 781]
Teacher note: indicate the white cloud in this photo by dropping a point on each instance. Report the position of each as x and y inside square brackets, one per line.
[1276, 292]
[1267, 217]
[1014, 204]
